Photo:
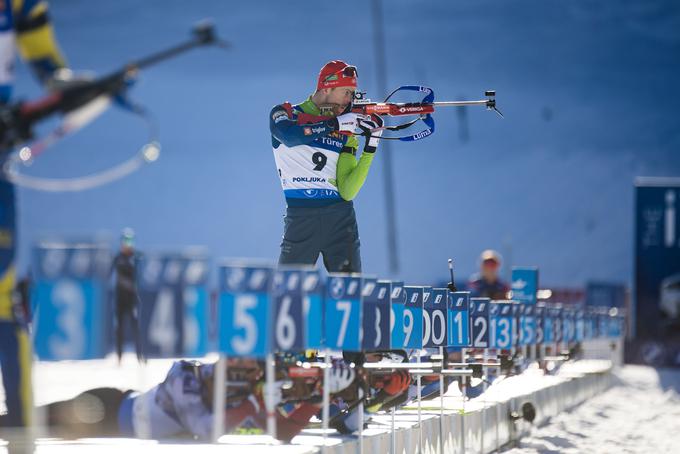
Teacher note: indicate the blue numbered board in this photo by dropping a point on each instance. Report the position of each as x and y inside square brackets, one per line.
[376, 314]
[196, 299]
[616, 325]
[458, 319]
[435, 327]
[397, 302]
[161, 316]
[502, 324]
[69, 295]
[517, 310]
[549, 324]
[590, 323]
[579, 325]
[343, 312]
[568, 325]
[288, 317]
[313, 295]
[413, 317]
[244, 309]
[602, 322]
[479, 319]
[527, 326]
[558, 326]
[539, 314]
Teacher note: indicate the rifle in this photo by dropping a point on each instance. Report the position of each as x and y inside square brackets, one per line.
[81, 102]
[423, 109]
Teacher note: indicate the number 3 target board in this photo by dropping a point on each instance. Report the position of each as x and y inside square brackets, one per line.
[69, 299]
[376, 314]
[244, 309]
[343, 312]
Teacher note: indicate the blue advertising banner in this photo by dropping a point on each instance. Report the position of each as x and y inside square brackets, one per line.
[524, 284]
[605, 294]
[657, 257]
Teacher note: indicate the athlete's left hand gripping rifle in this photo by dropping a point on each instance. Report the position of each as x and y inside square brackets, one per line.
[80, 102]
[423, 109]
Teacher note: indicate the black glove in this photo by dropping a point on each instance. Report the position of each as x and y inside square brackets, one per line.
[13, 128]
[368, 128]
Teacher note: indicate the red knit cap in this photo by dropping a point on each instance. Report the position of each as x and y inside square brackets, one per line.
[337, 73]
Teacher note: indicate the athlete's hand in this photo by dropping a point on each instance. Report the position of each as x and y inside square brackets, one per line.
[65, 79]
[398, 383]
[349, 122]
[369, 127]
[340, 377]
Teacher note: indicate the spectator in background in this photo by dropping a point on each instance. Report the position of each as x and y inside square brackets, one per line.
[487, 283]
[126, 295]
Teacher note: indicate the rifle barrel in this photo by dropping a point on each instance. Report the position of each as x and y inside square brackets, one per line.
[460, 103]
[162, 55]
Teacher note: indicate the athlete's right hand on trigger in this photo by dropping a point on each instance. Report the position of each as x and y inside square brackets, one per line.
[370, 129]
[349, 122]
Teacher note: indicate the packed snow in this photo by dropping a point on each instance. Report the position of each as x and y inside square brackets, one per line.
[640, 414]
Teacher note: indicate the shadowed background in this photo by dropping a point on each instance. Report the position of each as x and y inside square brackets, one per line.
[586, 88]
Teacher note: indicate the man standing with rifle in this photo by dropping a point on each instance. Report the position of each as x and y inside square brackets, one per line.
[26, 24]
[315, 153]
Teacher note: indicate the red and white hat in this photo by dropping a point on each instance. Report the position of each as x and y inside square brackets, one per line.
[337, 73]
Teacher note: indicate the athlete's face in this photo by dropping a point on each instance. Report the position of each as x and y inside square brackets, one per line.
[339, 98]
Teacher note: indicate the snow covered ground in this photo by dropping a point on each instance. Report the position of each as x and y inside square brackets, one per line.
[641, 414]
